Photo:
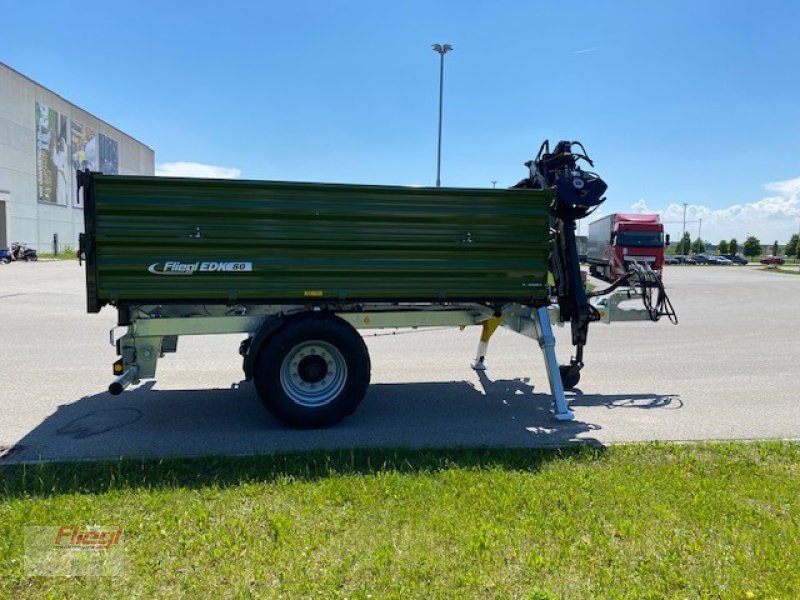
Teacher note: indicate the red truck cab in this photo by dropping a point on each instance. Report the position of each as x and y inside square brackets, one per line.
[619, 239]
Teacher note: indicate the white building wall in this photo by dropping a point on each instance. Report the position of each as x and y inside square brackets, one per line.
[28, 219]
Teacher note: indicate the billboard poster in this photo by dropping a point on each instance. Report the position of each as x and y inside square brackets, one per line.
[84, 155]
[52, 164]
[109, 155]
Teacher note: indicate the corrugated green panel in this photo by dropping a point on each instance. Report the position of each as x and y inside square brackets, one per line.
[311, 240]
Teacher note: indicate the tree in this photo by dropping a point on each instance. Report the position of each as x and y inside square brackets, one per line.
[752, 246]
[791, 247]
[698, 246]
[775, 248]
[686, 242]
[733, 246]
[723, 247]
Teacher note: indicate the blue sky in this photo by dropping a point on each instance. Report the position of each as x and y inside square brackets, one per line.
[692, 102]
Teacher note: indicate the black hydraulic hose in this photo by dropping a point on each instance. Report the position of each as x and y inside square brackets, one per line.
[651, 286]
[619, 282]
[545, 147]
[654, 296]
[662, 306]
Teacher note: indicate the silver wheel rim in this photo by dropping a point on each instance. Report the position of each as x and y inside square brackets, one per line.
[313, 373]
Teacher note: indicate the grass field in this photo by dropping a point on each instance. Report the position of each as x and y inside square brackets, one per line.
[62, 256]
[639, 521]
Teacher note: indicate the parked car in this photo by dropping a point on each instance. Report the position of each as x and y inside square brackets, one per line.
[718, 260]
[772, 260]
[670, 260]
[736, 259]
[700, 259]
[688, 260]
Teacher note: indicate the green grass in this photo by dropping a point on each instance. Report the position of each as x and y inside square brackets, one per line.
[51, 256]
[67, 253]
[638, 521]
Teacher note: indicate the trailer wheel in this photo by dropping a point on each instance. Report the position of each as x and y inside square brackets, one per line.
[569, 377]
[312, 372]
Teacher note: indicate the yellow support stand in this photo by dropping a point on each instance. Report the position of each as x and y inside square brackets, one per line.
[489, 327]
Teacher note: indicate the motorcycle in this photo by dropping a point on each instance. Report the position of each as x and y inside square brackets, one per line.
[22, 252]
[5, 256]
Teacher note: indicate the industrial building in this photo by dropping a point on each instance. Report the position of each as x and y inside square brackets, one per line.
[44, 140]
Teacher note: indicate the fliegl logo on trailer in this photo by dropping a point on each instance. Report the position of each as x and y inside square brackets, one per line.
[176, 267]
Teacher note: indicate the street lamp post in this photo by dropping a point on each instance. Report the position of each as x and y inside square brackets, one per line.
[442, 49]
[683, 233]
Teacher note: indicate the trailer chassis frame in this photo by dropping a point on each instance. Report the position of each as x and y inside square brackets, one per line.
[153, 330]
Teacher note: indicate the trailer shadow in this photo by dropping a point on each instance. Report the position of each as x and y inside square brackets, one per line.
[151, 422]
[611, 401]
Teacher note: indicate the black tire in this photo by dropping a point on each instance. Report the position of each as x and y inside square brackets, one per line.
[313, 371]
[569, 378]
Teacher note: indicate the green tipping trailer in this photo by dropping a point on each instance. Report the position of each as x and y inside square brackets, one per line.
[165, 240]
[299, 268]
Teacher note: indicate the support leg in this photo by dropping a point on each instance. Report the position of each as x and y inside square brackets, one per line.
[489, 327]
[547, 342]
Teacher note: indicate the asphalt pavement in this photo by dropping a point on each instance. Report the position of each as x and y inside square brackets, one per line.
[728, 370]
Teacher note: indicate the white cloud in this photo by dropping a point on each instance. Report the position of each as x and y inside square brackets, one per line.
[193, 169]
[790, 187]
[771, 218]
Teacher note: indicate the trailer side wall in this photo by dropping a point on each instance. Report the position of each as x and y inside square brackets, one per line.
[188, 240]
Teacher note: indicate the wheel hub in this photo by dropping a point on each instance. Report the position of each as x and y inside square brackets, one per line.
[312, 369]
[313, 373]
